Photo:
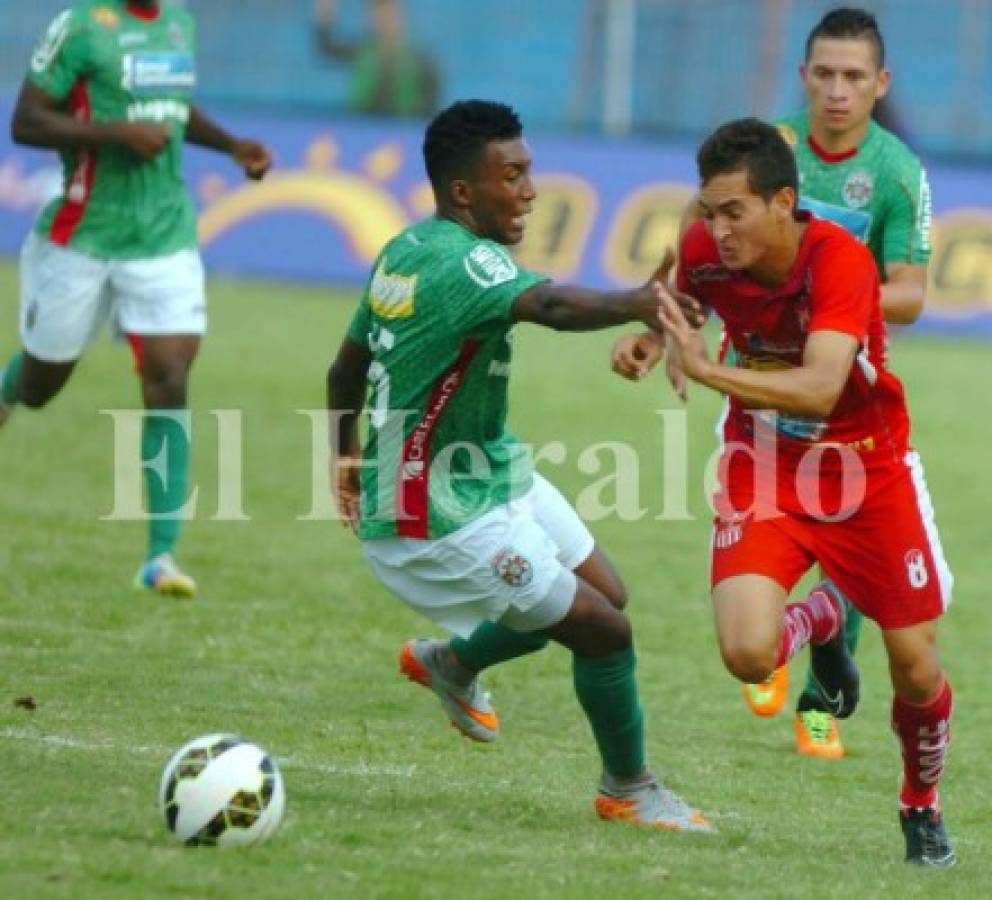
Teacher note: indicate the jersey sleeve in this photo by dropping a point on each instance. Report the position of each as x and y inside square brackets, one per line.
[845, 287]
[486, 282]
[60, 56]
[906, 229]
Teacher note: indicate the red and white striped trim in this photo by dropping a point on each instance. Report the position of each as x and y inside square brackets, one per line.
[413, 477]
[80, 186]
[925, 505]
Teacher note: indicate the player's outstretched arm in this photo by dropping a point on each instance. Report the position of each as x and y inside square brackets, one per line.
[253, 157]
[811, 389]
[39, 121]
[567, 308]
[346, 389]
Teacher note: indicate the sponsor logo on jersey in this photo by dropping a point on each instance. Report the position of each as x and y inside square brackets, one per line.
[858, 189]
[856, 222]
[513, 568]
[148, 72]
[708, 272]
[489, 266]
[105, 17]
[49, 46]
[158, 111]
[392, 296]
[788, 135]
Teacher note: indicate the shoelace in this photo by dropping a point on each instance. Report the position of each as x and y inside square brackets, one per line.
[818, 725]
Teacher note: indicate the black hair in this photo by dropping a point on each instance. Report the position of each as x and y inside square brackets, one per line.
[456, 138]
[754, 147]
[849, 22]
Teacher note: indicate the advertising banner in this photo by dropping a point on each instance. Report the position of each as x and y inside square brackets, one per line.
[605, 212]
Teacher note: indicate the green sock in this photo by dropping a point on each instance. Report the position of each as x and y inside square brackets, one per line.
[607, 689]
[810, 697]
[492, 643]
[166, 478]
[9, 378]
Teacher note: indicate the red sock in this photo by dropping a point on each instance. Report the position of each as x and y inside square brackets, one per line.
[815, 620]
[924, 731]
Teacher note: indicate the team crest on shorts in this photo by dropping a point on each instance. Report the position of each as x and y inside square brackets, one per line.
[858, 189]
[513, 568]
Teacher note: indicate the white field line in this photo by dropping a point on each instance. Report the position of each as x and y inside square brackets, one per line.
[360, 769]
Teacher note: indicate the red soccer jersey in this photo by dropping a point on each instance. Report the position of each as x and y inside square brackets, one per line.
[833, 286]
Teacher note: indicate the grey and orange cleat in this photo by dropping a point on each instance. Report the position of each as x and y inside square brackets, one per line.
[649, 805]
[162, 575]
[467, 706]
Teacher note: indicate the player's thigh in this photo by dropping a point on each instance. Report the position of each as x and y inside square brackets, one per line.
[914, 662]
[577, 548]
[164, 295]
[755, 563]
[887, 558]
[502, 567]
[64, 301]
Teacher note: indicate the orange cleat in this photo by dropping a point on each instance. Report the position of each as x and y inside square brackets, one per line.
[768, 697]
[650, 805]
[817, 734]
[467, 706]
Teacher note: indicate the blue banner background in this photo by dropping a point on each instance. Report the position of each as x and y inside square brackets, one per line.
[606, 210]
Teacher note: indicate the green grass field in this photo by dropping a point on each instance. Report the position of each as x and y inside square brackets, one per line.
[293, 644]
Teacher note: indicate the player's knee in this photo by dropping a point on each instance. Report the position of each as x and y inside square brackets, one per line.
[611, 630]
[917, 680]
[750, 663]
[165, 387]
[617, 595]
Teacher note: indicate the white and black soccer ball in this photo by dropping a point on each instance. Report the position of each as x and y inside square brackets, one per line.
[221, 790]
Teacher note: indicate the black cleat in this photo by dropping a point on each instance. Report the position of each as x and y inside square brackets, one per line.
[927, 840]
[836, 676]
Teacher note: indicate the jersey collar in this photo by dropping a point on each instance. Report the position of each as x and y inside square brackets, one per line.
[826, 155]
[149, 14]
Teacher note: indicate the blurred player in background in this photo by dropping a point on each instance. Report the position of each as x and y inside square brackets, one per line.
[110, 86]
[855, 173]
[452, 518]
[817, 466]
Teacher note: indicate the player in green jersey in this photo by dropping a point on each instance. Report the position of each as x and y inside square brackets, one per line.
[452, 518]
[865, 179]
[110, 86]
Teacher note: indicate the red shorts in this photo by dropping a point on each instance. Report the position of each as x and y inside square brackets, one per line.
[886, 557]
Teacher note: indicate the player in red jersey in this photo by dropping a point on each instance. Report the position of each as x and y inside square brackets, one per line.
[817, 466]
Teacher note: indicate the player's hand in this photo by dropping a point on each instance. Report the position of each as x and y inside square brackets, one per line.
[691, 307]
[345, 474]
[146, 140]
[634, 355]
[673, 371]
[688, 350]
[253, 157]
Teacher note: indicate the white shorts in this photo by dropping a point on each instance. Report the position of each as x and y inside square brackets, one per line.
[67, 296]
[513, 565]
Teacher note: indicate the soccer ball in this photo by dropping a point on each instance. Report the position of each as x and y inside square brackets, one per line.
[221, 790]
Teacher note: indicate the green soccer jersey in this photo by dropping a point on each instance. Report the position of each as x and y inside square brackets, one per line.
[112, 61]
[879, 192]
[436, 317]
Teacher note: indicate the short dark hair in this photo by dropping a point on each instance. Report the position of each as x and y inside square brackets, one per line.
[456, 138]
[849, 22]
[754, 147]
